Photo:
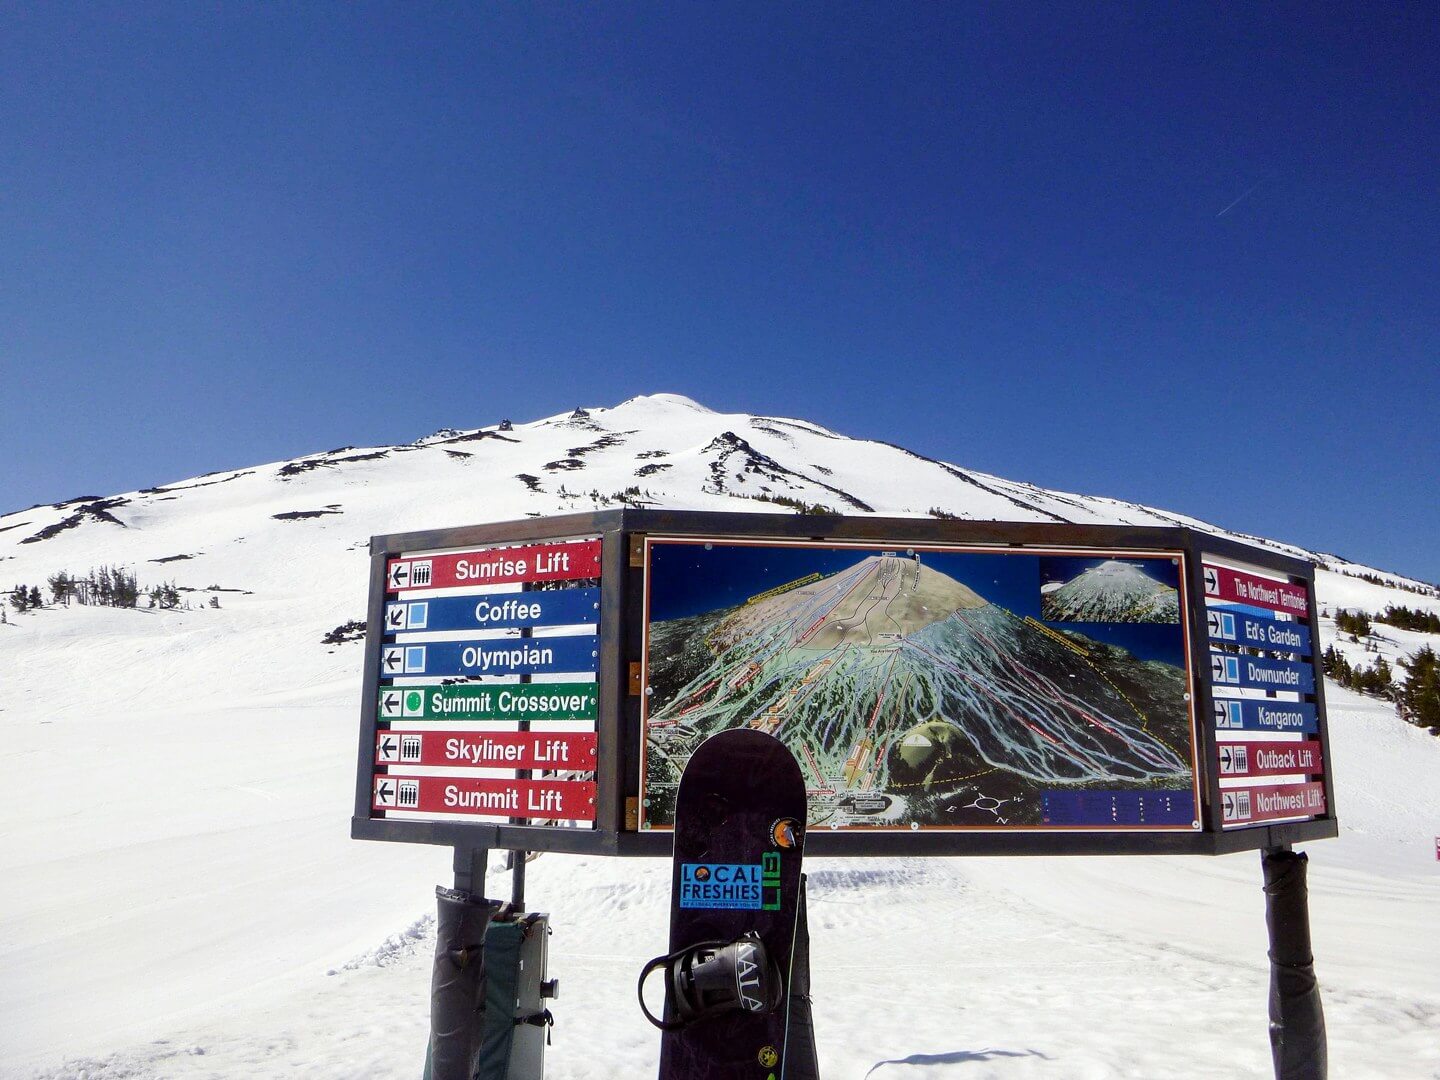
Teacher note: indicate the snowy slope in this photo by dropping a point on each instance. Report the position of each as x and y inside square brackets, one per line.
[179, 896]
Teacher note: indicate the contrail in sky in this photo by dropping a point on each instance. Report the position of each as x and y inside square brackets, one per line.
[1238, 201]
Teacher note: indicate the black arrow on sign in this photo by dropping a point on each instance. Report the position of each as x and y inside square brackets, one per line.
[1229, 806]
[385, 790]
[387, 748]
[1212, 580]
[1217, 667]
[1212, 620]
[392, 660]
[1226, 756]
[397, 616]
[391, 702]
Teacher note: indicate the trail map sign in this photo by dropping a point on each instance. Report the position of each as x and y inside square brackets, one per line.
[946, 687]
[930, 687]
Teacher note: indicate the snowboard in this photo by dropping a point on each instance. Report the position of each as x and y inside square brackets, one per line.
[739, 838]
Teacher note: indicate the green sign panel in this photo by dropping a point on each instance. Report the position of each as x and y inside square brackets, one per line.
[472, 701]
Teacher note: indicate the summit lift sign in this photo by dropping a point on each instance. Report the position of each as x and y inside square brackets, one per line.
[945, 687]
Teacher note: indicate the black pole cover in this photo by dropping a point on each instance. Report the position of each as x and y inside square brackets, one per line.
[1297, 1021]
[457, 983]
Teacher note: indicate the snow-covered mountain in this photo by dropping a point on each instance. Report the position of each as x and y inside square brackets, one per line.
[179, 896]
[1112, 592]
[658, 450]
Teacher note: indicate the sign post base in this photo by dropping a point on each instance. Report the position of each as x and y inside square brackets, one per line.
[1297, 1021]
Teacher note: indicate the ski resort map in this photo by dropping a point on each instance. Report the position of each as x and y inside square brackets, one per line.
[928, 686]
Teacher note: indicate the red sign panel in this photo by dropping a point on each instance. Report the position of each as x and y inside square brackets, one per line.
[495, 566]
[1270, 758]
[566, 751]
[1248, 805]
[567, 800]
[1236, 586]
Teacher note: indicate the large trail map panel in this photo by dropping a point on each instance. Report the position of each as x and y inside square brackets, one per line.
[928, 687]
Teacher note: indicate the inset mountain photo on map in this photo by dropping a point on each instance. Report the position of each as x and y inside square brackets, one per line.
[914, 688]
[1109, 590]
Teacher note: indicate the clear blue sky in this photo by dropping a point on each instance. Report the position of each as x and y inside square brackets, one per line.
[1182, 255]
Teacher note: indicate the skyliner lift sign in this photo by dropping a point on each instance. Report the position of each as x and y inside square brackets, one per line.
[947, 687]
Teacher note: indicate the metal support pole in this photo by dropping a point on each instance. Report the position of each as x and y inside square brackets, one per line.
[1297, 1021]
[517, 881]
[457, 982]
[470, 865]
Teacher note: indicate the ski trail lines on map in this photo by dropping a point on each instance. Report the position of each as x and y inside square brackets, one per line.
[1043, 683]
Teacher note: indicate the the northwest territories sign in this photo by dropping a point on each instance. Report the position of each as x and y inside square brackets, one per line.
[930, 687]
[944, 686]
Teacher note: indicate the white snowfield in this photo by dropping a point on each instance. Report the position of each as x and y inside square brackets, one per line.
[179, 896]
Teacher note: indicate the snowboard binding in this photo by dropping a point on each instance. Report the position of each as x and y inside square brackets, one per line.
[714, 978]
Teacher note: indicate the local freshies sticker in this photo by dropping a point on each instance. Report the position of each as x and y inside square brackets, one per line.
[751, 886]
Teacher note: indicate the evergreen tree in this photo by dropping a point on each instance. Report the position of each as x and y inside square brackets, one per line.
[126, 588]
[1384, 678]
[1427, 622]
[1419, 695]
[20, 598]
[59, 588]
[35, 598]
[1356, 624]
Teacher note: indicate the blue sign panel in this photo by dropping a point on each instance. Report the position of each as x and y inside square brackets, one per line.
[1251, 715]
[494, 611]
[1092, 808]
[493, 656]
[1238, 628]
[1260, 673]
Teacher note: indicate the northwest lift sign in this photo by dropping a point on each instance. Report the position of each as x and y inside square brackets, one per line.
[930, 687]
[487, 697]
